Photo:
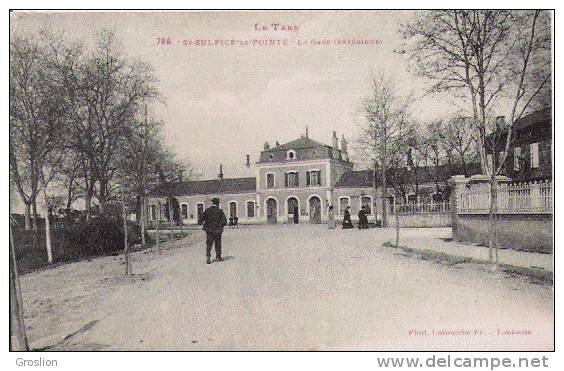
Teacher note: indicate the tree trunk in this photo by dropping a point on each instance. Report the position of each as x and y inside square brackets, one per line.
[68, 206]
[125, 239]
[102, 205]
[493, 220]
[384, 197]
[47, 230]
[35, 216]
[171, 219]
[143, 221]
[397, 220]
[18, 338]
[27, 216]
[88, 206]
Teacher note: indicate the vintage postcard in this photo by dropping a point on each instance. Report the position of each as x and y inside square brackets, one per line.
[281, 181]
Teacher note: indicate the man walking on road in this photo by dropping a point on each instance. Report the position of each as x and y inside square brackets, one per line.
[362, 218]
[213, 221]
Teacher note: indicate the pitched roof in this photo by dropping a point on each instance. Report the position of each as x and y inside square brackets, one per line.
[364, 178]
[207, 187]
[356, 179]
[300, 143]
[533, 118]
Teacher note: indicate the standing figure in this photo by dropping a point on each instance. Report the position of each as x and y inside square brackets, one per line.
[361, 218]
[213, 221]
[347, 222]
[363, 222]
[331, 216]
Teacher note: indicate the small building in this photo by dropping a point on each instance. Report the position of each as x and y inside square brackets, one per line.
[530, 152]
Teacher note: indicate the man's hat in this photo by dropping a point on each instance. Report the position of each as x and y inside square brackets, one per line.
[215, 201]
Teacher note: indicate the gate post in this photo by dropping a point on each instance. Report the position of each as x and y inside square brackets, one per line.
[457, 185]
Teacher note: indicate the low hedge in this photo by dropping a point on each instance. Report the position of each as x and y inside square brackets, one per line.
[70, 242]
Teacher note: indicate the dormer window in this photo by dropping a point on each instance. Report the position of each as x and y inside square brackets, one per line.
[291, 155]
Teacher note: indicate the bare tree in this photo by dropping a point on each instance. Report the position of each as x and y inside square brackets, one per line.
[36, 117]
[460, 144]
[114, 90]
[483, 56]
[69, 179]
[105, 91]
[432, 149]
[140, 156]
[385, 112]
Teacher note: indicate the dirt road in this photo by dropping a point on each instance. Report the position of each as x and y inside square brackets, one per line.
[299, 287]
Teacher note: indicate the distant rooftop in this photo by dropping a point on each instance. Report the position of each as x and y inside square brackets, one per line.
[306, 149]
[300, 143]
[207, 187]
[542, 115]
[356, 179]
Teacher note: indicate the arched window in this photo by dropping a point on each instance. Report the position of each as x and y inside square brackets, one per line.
[343, 203]
[184, 211]
[367, 202]
[250, 209]
[232, 209]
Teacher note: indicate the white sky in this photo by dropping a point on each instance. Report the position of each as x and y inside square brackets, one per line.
[225, 102]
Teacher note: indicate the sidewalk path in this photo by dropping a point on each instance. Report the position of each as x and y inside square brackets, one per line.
[515, 258]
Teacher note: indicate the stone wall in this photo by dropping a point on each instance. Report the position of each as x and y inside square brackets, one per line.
[527, 232]
[518, 231]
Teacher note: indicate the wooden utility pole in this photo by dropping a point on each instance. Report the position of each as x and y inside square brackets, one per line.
[143, 169]
[383, 167]
[125, 239]
[158, 225]
[143, 220]
[171, 213]
[18, 337]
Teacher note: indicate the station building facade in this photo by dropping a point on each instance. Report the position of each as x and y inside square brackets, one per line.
[295, 182]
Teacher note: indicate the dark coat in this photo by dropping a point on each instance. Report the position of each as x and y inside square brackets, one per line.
[361, 215]
[347, 217]
[214, 220]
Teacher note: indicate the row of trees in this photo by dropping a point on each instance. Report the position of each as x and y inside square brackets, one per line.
[489, 60]
[406, 152]
[80, 124]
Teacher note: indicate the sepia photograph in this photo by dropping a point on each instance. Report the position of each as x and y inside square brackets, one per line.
[291, 180]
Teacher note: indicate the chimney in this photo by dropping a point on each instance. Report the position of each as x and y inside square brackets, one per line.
[344, 149]
[500, 122]
[307, 132]
[335, 148]
[277, 144]
[220, 175]
[248, 164]
[266, 146]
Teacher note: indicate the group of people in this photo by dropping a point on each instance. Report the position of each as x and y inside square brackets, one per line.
[347, 222]
[214, 220]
